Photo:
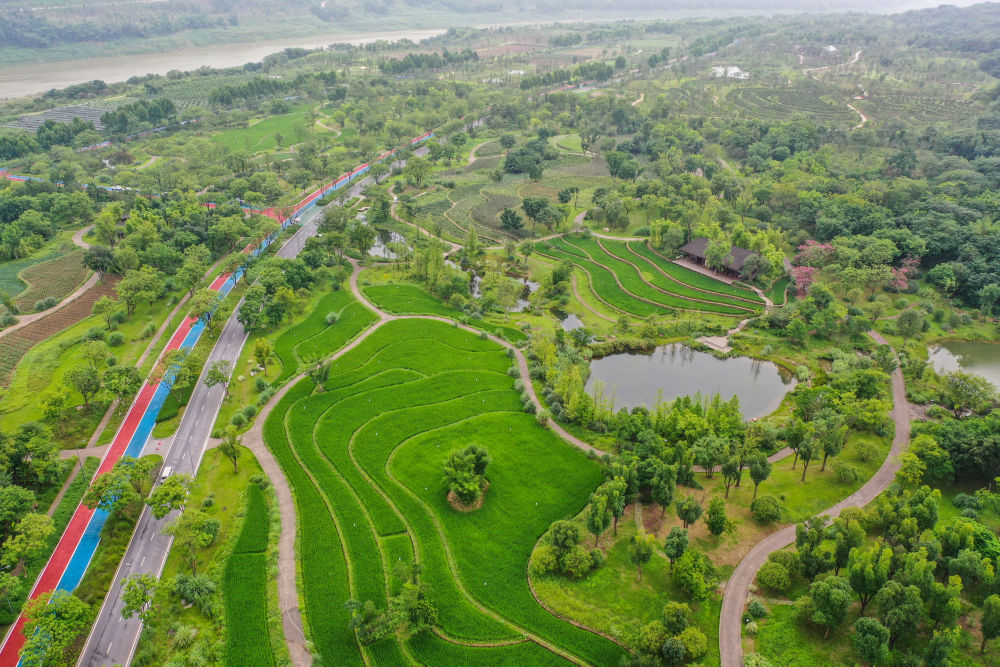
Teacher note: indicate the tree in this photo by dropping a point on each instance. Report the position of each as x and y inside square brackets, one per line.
[909, 324]
[831, 598]
[598, 516]
[122, 381]
[848, 535]
[465, 473]
[989, 299]
[831, 434]
[507, 141]
[640, 550]
[616, 491]
[797, 330]
[688, 510]
[362, 237]
[901, 609]
[944, 601]
[85, 380]
[510, 220]
[52, 624]
[203, 304]
[968, 393]
[709, 452]
[715, 518]
[193, 531]
[695, 574]
[171, 494]
[813, 559]
[760, 470]
[138, 285]
[676, 545]
[15, 502]
[219, 373]
[732, 472]
[367, 621]
[990, 620]
[663, 486]
[137, 596]
[867, 571]
[10, 586]
[98, 259]
[106, 307]
[263, 351]
[126, 483]
[28, 540]
[417, 169]
[941, 647]
[870, 640]
[230, 447]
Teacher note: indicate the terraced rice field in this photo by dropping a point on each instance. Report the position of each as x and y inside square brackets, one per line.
[786, 103]
[313, 339]
[618, 280]
[244, 587]
[403, 299]
[914, 108]
[365, 457]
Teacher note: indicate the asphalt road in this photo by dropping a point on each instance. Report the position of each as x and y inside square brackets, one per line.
[113, 639]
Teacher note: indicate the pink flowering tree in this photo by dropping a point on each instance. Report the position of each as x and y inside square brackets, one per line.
[813, 253]
[908, 268]
[804, 277]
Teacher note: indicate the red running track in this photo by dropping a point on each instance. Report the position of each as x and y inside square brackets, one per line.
[56, 566]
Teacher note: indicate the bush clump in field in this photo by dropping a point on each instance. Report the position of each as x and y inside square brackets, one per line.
[116, 338]
[766, 509]
[409, 613]
[774, 577]
[465, 473]
[560, 551]
[45, 304]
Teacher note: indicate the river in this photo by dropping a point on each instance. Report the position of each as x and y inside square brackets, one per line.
[22, 80]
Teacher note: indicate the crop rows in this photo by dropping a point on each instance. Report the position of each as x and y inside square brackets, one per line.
[635, 294]
[466, 198]
[649, 273]
[786, 103]
[365, 459]
[685, 275]
[245, 588]
[314, 339]
[486, 212]
[913, 108]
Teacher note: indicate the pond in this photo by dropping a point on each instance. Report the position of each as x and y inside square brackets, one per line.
[569, 321]
[678, 370]
[973, 357]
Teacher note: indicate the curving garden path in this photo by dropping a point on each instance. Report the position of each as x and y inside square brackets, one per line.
[738, 587]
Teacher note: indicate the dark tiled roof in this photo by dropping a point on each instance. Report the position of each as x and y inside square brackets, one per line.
[696, 248]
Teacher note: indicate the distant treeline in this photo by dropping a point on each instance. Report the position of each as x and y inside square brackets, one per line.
[412, 62]
[138, 115]
[31, 31]
[597, 71]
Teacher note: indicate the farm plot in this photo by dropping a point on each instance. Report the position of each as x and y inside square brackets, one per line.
[244, 587]
[611, 274]
[465, 198]
[787, 103]
[683, 274]
[915, 109]
[314, 339]
[56, 278]
[486, 213]
[365, 459]
[15, 345]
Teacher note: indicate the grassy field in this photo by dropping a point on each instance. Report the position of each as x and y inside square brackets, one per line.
[263, 135]
[364, 458]
[407, 299]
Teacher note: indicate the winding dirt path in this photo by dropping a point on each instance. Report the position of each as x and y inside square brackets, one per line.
[472, 153]
[864, 118]
[639, 100]
[738, 587]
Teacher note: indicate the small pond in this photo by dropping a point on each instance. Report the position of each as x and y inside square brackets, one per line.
[569, 321]
[971, 356]
[678, 370]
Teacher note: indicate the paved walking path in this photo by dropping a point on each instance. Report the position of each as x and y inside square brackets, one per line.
[738, 587]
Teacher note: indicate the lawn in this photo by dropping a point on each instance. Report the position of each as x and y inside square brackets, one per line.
[364, 458]
[263, 135]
